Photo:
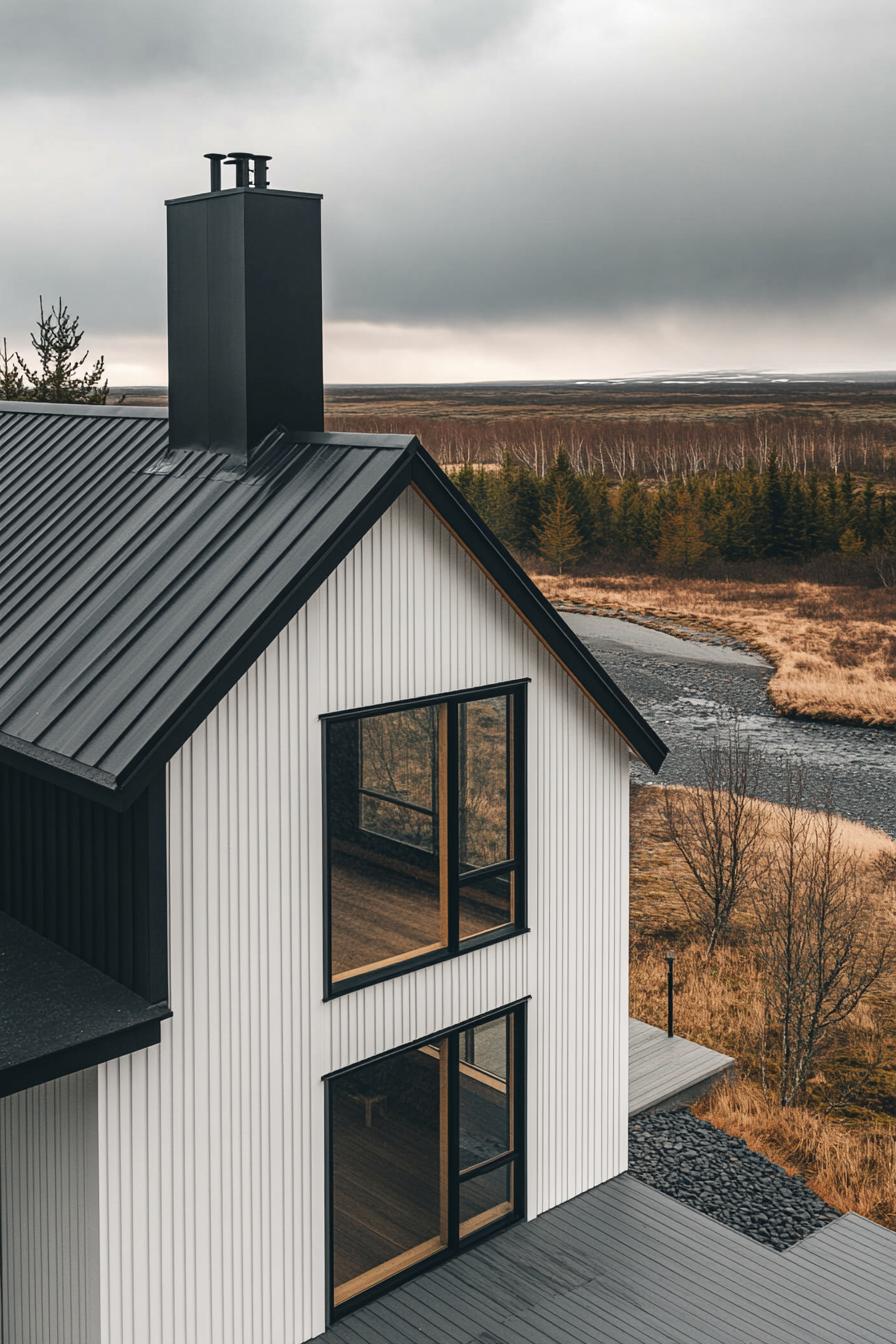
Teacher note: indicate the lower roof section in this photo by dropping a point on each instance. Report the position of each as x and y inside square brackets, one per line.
[58, 1015]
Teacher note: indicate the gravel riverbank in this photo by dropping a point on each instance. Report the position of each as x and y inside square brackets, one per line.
[702, 1166]
[688, 687]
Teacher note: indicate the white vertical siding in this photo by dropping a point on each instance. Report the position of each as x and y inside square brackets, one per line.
[212, 1146]
[48, 1213]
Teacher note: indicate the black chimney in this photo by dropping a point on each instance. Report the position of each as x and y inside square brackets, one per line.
[244, 311]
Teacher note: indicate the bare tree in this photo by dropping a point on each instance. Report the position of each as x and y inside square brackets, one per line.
[718, 831]
[819, 949]
[883, 558]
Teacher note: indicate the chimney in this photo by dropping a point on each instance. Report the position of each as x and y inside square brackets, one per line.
[244, 311]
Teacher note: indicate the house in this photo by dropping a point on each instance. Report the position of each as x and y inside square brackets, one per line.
[313, 875]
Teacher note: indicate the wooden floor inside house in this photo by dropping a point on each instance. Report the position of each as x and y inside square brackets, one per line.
[389, 1144]
[381, 914]
[385, 1188]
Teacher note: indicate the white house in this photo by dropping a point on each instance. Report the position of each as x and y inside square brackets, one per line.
[314, 821]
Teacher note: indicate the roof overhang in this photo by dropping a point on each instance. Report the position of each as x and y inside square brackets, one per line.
[58, 1015]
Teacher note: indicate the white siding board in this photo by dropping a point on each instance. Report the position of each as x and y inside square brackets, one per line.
[48, 1213]
[212, 1146]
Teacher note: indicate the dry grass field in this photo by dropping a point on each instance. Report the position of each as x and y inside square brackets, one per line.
[833, 647]
[843, 1142]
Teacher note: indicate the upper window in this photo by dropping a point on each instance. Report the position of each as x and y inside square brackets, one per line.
[424, 823]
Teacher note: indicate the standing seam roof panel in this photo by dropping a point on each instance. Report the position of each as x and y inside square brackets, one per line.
[123, 573]
[136, 584]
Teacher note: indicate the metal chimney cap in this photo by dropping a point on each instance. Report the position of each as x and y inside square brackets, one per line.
[251, 169]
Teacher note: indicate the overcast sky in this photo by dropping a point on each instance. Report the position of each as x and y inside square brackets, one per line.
[512, 188]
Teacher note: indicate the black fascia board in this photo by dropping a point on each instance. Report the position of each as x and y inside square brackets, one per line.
[84, 1055]
[535, 608]
[59, 1015]
[31, 759]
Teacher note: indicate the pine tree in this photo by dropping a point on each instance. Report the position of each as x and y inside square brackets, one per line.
[61, 375]
[848, 497]
[682, 544]
[866, 517]
[628, 530]
[597, 491]
[792, 544]
[775, 507]
[851, 542]
[562, 473]
[517, 503]
[813, 524]
[559, 539]
[12, 384]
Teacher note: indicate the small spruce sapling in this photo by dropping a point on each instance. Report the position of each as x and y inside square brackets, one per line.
[61, 375]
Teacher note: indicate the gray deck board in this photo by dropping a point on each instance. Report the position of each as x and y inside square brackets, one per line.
[661, 1068]
[625, 1264]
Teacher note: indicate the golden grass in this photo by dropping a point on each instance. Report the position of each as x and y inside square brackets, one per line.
[848, 1156]
[833, 648]
[852, 1169]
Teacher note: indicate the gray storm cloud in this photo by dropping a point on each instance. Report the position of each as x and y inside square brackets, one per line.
[481, 163]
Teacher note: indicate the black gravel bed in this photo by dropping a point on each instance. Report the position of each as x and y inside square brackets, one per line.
[699, 1165]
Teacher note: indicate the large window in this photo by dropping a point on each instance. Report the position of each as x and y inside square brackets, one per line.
[424, 806]
[425, 1153]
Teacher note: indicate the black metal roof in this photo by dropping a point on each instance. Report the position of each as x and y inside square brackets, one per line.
[136, 585]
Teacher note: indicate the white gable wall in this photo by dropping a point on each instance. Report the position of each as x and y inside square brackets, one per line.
[211, 1146]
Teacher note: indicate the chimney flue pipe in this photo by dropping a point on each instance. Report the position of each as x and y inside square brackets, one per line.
[215, 161]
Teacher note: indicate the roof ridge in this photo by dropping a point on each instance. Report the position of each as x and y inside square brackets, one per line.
[80, 408]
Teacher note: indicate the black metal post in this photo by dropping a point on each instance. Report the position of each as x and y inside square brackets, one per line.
[670, 997]
[215, 161]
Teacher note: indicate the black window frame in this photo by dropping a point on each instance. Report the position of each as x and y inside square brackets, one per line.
[516, 692]
[515, 1156]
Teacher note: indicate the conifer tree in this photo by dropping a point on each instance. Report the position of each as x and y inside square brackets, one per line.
[628, 530]
[12, 384]
[61, 375]
[775, 507]
[517, 504]
[559, 539]
[601, 510]
[866, 526]
[561, 472]
[682, 545]
[812, 525]
[850, 542]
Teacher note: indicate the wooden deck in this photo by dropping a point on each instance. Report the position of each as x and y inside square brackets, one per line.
[625, 1264]
[664, 1071]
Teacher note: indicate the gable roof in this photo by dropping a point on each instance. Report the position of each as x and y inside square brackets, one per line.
[137, 586]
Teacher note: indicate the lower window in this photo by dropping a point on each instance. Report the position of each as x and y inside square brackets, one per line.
[425, 1153]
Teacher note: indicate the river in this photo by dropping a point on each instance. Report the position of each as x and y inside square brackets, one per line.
[688, 688]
